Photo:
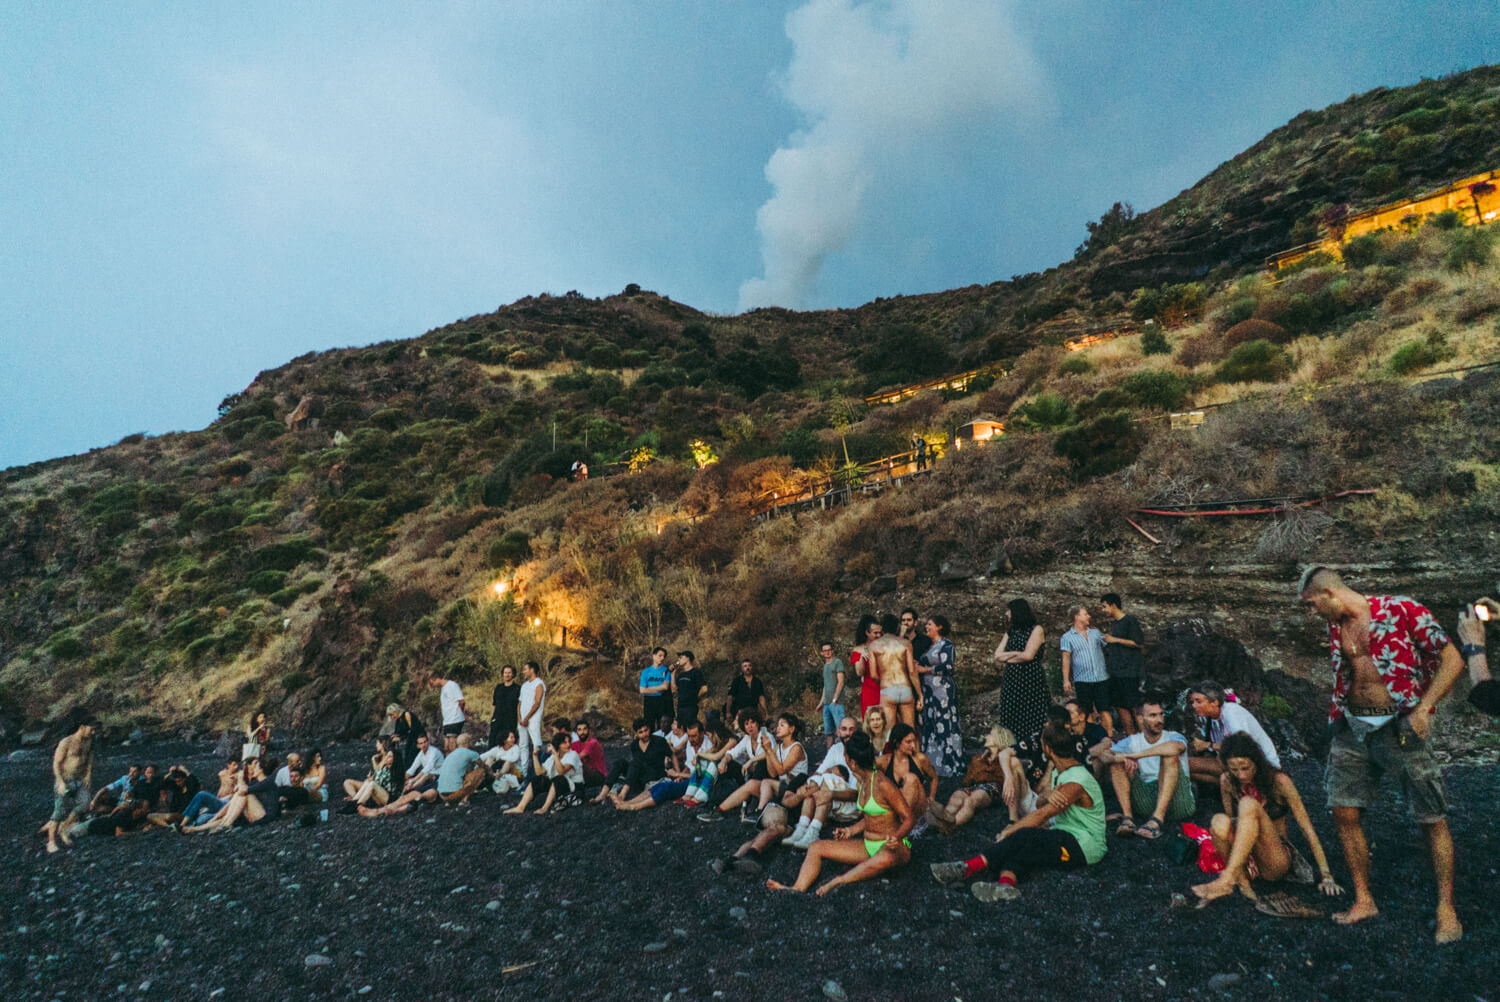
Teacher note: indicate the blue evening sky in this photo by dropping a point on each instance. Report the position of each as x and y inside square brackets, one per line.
[190, 193]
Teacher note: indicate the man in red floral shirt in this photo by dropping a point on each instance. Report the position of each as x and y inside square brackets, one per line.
[1392, 664]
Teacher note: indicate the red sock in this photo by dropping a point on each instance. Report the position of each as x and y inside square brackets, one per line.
[1008, 878]
[975, 865]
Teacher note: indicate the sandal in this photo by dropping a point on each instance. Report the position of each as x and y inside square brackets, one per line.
[1150, 831]
[1127, 827]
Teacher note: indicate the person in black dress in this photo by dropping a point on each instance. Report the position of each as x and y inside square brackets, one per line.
[507, 706]
[1023, 692]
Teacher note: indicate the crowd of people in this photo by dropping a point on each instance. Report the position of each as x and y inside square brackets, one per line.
[1061, 778]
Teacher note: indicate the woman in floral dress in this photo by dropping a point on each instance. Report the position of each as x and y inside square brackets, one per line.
[942, 740]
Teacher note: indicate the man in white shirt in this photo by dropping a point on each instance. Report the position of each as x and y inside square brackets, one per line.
[1149, 772]
[827, 790]
[284, 774]
[452, 699]
[532, 705]
[1223, 718]
[424, 767]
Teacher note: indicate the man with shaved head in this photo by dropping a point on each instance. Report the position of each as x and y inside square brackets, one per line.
[1392, 664]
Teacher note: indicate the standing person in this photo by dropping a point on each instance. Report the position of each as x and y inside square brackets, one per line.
[532, 705]
[746, 692]
[257, 737]
[1485, 696]
[507, 703]
[1124, 657]
[72, 772]
[1023, 691]
[451, 697]
[914, 632]
[689, 686]
[1065, 831]
[405, 727]
[900, 695]
[831, 703]
[1392, 665]
[942, 735]
[1084, 671]
[656, 687]
[859, 659]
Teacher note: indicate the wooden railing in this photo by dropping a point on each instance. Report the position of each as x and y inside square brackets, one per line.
[826, 492]
[959, 381]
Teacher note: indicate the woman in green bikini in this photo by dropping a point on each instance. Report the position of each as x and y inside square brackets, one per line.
[873, 844]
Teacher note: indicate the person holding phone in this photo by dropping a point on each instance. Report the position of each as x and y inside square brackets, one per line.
[1485, 696]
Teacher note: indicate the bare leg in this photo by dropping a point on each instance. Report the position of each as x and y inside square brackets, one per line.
[976, 801]
[741, 795]
[351, 788]
[872, 866]
[1357, 855]
[1119, 779]
[547, 803]
[1127, 720]
[526, 794]
[1440, 841]
[1169, 775]
[1205, 769]
[839, 850]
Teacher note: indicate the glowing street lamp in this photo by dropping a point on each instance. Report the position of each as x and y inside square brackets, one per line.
[537, 621]
[501, 587]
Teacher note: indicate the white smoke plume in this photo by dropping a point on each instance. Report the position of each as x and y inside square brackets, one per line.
[877, 81]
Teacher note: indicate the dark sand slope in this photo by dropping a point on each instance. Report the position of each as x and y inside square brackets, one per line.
[591, 905]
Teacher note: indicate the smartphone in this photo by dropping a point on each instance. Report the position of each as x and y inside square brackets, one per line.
[1482, 613]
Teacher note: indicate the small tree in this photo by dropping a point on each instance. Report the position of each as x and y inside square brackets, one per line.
[1154, 340]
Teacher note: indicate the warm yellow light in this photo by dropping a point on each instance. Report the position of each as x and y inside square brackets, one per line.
[501, 587]
[537, 621]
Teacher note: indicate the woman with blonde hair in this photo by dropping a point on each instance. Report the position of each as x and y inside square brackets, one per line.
[877, 727]
[982, 786]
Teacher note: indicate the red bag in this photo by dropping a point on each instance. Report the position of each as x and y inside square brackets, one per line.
[1209, 860]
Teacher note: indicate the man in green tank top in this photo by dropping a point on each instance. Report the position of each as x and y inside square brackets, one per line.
[1065, 832]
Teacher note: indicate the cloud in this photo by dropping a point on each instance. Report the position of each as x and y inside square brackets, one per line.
[882, 84]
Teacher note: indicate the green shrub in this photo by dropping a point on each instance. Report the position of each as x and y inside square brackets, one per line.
[199, 647]
[1048, 410]
[66, 645]
[1254, 330]
[266, 582]
[1154, 341]
[1255, 362]
[286, 555]
[1362, 251]
[510, 549]
[1074, 365]
[1448, 219]
[1100, 446]
[1471, 246]
[295, 679]
[1381, 179]
[1420, 353]
[1160, 389]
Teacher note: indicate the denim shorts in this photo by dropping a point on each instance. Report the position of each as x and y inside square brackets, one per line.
[833, 715]
[1355, 768]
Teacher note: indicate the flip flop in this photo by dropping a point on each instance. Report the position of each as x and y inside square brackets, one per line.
[1285, 906]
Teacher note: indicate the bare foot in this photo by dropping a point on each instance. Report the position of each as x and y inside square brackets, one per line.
[1358, 912]
[776, 885]
[823, 891]
[62, 834]
[1449, 930]
[53, 847]
[514, 810]
[1213, 890]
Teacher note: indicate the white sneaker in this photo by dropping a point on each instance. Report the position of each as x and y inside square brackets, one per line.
[797, 833]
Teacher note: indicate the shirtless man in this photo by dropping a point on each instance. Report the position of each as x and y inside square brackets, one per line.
[1392, 664]
[72, 771]
[896, 668]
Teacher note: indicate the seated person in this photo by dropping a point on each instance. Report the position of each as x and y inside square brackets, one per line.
[646, 760]
[785, 762]
[130, 816]
[459, 778]
[591, 752]
[207, 803]
[148, 786]
[293, 794]
[1149, 772]
[747, 858]
[256, 799]
[706, 761]
[424, 767]
[315, 776]
[504, 763]
[674, 786]
[381, 785]
[983, 785]
[1065, 831]
[1220, 718]
[905, 764]
[1252, 832]
[562, 774]
[829, 791]
[284, 774]
[876, 842]
[177, 792]
[109, 795]
[674, 734]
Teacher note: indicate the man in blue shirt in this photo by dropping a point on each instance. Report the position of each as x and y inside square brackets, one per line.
[656, 687]
[1083, 667]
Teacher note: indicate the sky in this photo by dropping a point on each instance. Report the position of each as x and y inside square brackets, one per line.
[192, 193]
